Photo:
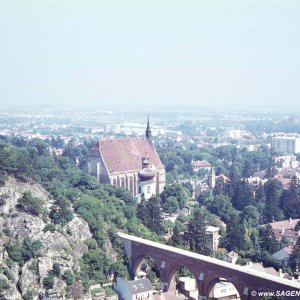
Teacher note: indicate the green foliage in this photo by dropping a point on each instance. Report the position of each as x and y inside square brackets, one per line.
[3, 285]
[171, 205]
[95, 267]
[56, 270]
[268, 241]
[219, 205]
[22, 253]
[295, 257]
[68, 277]
[290, 201]
[61, 212]
[48, 281]
[3, 197]
[30, 249]
[30, 204]
[273, 191]
[149, 212]
[49, 227]
[178, 192]
[196, 229]
[243, 194]
[29, 295]
[235, 237]
[91, 209]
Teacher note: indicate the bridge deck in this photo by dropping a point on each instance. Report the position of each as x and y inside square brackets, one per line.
[286, 282]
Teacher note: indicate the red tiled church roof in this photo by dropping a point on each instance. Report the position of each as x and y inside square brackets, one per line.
[124, 155]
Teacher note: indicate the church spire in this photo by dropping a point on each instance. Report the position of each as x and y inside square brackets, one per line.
[148, 130]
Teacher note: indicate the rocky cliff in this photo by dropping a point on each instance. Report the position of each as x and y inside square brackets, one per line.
[59, 248]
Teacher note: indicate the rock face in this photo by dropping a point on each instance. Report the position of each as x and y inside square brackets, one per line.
[64, 247]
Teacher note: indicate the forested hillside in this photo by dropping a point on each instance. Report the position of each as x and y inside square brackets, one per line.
[58, 202]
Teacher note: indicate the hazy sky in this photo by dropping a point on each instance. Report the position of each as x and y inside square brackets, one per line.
[136, 52]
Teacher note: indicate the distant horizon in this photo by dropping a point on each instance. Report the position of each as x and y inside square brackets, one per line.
[148, 109]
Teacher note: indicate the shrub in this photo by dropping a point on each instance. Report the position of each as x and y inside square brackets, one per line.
[49, 227]
[68, 277]
[48, 282]
[30, 204]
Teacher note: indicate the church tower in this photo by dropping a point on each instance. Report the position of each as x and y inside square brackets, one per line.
[148, 130]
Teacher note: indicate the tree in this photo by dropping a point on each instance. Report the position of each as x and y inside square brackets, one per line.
[28, 295]
[154, 208]
[295, 257]
[273, 190]
[56, 270]
[290, 200]
[219, 188]
[178, 233]
[197, 236]
[61, 212]
[3, 285]
[221, 206]
[171, 205]
[30, 249]
[30, 204]
[48, 281]
[68, 277]
[250, 216]
[178, 191]
[268, 241]
[235, 236]
[143, 212]
[243, 195]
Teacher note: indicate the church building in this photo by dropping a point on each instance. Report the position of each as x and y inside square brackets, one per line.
[131, 163]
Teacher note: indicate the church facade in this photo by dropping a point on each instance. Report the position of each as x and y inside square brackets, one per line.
[131, 163]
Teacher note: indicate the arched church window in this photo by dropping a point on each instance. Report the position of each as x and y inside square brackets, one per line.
[140, 190]
[131, 184]
[148, 189]
[114, 181]
[122, 182]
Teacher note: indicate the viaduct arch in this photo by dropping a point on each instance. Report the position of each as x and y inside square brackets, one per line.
[206, 270]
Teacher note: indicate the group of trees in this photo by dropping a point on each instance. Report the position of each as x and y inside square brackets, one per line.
[234, 163]
[105, 208]
[242, 206]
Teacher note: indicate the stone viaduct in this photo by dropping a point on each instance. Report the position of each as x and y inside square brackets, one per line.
[206, 270]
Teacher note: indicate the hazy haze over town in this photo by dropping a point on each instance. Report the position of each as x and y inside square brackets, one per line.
[219, 54]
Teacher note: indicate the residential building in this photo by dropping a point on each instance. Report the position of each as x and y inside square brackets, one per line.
[213, 237]
[283, 255]
[199, 165]
[224, 289]
[286, 144]
[188, 287]
[286, 229]
[232, 257]
[138, 289]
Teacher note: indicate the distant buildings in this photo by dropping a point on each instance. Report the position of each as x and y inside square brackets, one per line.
[213, 237]
[286, 144]
[286, 229]
[286, 161]
[283, 255]
[131, 163]
[199, 165]
[232, 257]
[224, 290]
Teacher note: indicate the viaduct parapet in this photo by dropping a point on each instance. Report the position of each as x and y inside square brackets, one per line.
[206, 270]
